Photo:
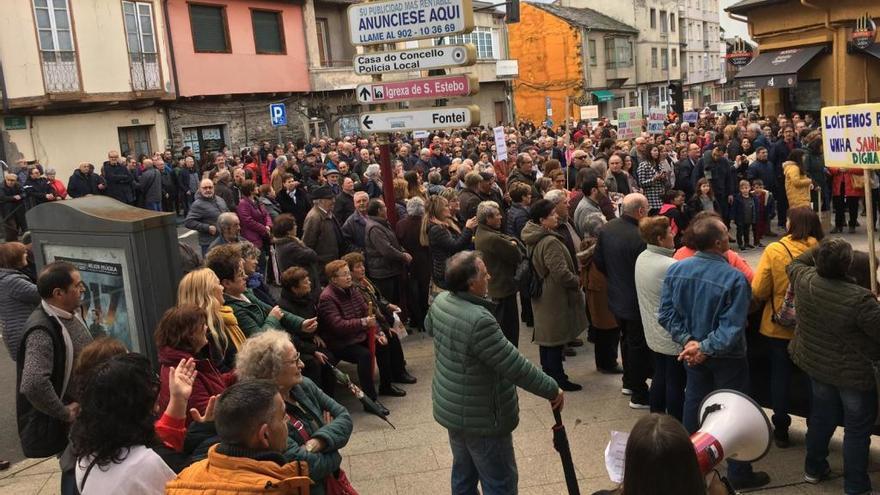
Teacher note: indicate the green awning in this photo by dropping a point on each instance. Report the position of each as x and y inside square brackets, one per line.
[603, 95]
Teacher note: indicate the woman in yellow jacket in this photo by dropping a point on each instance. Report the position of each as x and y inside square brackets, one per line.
[804, 230]
[797, 183]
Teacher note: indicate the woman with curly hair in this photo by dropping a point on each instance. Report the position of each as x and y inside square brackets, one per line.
[112, 436]
[317, 426]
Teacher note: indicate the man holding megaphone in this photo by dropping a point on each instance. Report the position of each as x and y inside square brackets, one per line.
[704, 306]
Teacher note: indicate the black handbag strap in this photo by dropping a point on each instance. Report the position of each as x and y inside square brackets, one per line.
[86, 475]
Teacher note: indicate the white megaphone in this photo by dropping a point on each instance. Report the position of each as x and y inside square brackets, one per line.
[733, 426]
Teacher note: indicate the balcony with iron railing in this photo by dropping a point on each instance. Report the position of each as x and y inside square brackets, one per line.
[60, 71]
[145, 73]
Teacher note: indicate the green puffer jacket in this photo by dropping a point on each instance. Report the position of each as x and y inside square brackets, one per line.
[838, 327]
[253, 317]
[476, 369]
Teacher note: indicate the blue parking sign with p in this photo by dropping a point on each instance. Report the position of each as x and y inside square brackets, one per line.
[278, 114]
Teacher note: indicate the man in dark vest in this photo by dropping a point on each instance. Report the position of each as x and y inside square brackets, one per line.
[53, 337]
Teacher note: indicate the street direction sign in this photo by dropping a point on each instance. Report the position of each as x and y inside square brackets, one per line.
[428, 88]
[435, 57]
[278, 114]
[427, 118]
[390, 21]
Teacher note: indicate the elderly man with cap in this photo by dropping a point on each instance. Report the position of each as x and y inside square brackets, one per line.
[331, 176]
[480, 186]
[579, 159]
[321, 229]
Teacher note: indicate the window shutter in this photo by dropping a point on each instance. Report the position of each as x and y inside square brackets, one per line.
[209, 29]
[267, 32]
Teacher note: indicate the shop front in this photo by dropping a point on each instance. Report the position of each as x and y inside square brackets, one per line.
[820, 55]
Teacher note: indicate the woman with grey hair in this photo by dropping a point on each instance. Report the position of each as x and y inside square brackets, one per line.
[58, 186]
[271, 355]
[374, 181]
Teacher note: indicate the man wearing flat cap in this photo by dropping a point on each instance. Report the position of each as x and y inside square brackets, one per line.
[321, 230]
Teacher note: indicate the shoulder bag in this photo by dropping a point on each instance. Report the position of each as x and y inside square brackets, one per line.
[786, 315]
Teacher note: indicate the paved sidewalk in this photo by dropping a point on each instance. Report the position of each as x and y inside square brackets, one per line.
[415, 458]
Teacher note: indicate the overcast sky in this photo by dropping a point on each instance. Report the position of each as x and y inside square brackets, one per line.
[732, 27]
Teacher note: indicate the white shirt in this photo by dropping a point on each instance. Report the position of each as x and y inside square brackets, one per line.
[142, 472]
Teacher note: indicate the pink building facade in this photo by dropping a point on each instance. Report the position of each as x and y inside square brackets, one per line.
[238, 47]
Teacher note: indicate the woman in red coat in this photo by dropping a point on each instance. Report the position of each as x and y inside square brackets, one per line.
[847, 188]
[182, 334]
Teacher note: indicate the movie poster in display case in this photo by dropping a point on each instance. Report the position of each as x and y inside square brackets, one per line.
[107, 303]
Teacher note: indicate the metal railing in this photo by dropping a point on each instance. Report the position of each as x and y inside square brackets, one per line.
[144, 68]
[60, 71]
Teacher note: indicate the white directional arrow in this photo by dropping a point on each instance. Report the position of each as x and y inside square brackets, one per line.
[428, 118]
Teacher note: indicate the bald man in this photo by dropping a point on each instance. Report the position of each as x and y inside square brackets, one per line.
[203, 213]
[618, 247]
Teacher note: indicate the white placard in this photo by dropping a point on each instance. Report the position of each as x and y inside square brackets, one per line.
[500, 143]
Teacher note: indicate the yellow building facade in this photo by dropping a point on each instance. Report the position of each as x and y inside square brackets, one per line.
[550, 66]
[805, 60]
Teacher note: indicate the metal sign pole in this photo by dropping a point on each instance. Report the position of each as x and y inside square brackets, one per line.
[872, 251]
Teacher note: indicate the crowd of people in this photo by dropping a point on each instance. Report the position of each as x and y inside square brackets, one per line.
[575, 234]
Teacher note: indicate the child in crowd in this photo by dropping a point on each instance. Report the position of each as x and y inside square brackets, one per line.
[704, 198]
[745, 214]
[766, 210]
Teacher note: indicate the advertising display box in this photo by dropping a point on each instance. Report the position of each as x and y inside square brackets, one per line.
[128, 258]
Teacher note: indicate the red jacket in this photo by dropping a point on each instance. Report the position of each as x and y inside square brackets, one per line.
[339, 316]
[60, 189]
[844, 176]
[208, 381]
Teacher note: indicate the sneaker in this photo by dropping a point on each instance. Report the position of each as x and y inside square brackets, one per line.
[638, 405]
[626, 391]
[757, 479]
[815, 479]
[616, 370]
[749, 246]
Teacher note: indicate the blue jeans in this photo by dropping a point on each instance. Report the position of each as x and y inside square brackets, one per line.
[489, 460]
[859, 409]
[155, 206]
[713, 374]
[780, 382]
[667, 387]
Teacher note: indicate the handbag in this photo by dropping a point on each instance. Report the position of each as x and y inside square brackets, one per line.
[786, 315]
[335, 483]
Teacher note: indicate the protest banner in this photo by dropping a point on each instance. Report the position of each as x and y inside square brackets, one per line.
[656, 119]
[851, 139]
[589, 112]
[851, 136]
[629, 122]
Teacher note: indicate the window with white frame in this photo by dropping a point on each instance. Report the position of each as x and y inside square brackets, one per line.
[593, 58]
[57, 52]
[143, 60]
[485, 39]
